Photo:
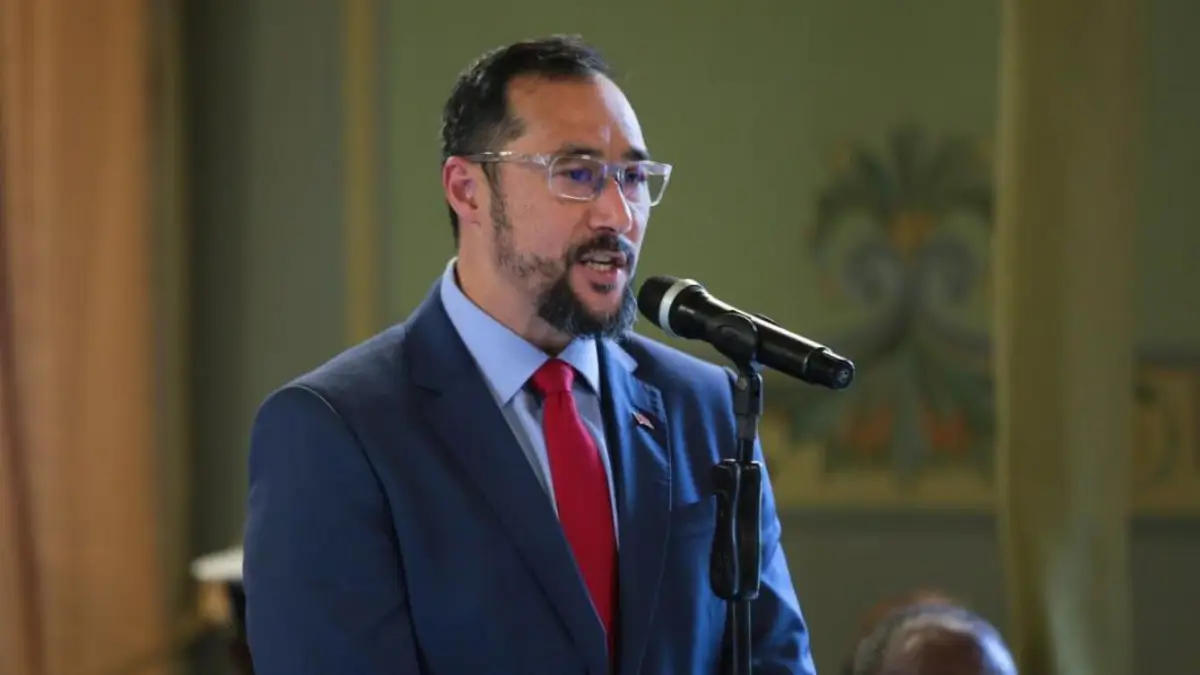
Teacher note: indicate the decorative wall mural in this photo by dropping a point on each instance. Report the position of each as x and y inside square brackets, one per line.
[1165, 468]
[901, 233]
[901, 238]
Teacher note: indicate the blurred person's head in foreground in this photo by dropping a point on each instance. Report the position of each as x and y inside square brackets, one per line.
[931, 636]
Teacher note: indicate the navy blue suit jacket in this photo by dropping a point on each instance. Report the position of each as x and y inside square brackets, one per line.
[395, 526]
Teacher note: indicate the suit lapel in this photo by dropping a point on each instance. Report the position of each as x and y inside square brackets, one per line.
[641, 463]
[464, 414]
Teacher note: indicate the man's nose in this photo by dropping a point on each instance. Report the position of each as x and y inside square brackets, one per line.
[611, 209]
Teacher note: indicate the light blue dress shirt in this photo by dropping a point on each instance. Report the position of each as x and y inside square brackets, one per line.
[507, 361]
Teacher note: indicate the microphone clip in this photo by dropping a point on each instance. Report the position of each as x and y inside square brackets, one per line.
[735, 335]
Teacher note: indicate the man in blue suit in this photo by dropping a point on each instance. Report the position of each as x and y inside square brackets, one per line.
[510, 481]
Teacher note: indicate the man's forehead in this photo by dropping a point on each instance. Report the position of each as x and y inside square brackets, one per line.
[577, 111]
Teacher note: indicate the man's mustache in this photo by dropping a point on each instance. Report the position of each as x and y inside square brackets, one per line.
[606, 243]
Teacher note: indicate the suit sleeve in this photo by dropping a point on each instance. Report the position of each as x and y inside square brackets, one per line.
[780, 640]
[323, 575]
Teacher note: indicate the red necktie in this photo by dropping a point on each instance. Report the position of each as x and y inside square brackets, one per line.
[580, 489]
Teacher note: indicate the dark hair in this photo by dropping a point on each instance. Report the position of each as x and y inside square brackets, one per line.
[476, 117]
[869, 654]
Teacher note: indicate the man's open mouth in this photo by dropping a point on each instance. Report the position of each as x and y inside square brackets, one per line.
[604, 260]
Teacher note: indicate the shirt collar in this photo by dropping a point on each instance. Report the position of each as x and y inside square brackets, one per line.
[506, 359]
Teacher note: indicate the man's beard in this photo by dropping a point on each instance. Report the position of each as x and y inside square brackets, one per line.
[562, 309]
[557, 303]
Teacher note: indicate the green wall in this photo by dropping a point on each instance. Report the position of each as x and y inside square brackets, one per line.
[265, 169]
[1168, 237]
[750, 102]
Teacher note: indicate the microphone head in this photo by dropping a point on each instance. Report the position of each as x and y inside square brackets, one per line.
[833, 371]
[650, 296]
[656, 296]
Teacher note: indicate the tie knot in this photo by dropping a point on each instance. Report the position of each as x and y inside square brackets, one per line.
[554, 377]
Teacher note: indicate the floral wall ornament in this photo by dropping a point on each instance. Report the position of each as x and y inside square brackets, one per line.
[901, 245]
[893, 237]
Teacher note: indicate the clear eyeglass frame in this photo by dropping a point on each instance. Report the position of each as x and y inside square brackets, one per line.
[565, 175]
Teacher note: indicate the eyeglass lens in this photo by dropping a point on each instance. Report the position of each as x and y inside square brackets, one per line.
[584, 178]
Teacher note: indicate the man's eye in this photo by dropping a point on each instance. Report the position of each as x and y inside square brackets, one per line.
[579, 174]
[635, 175]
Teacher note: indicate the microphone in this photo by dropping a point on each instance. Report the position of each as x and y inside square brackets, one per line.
[683, 308]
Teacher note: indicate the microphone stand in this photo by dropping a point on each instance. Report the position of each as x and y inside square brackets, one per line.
[734, 567]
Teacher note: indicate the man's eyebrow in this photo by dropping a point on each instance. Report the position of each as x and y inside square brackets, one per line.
[636, 155]
[576, 149]
[573, 149]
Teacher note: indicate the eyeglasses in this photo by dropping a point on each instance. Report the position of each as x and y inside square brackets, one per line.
[582, 177]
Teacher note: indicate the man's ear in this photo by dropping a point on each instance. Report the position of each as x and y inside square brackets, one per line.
[460, 184]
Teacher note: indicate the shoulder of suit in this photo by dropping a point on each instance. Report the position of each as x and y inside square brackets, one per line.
[367, 370]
